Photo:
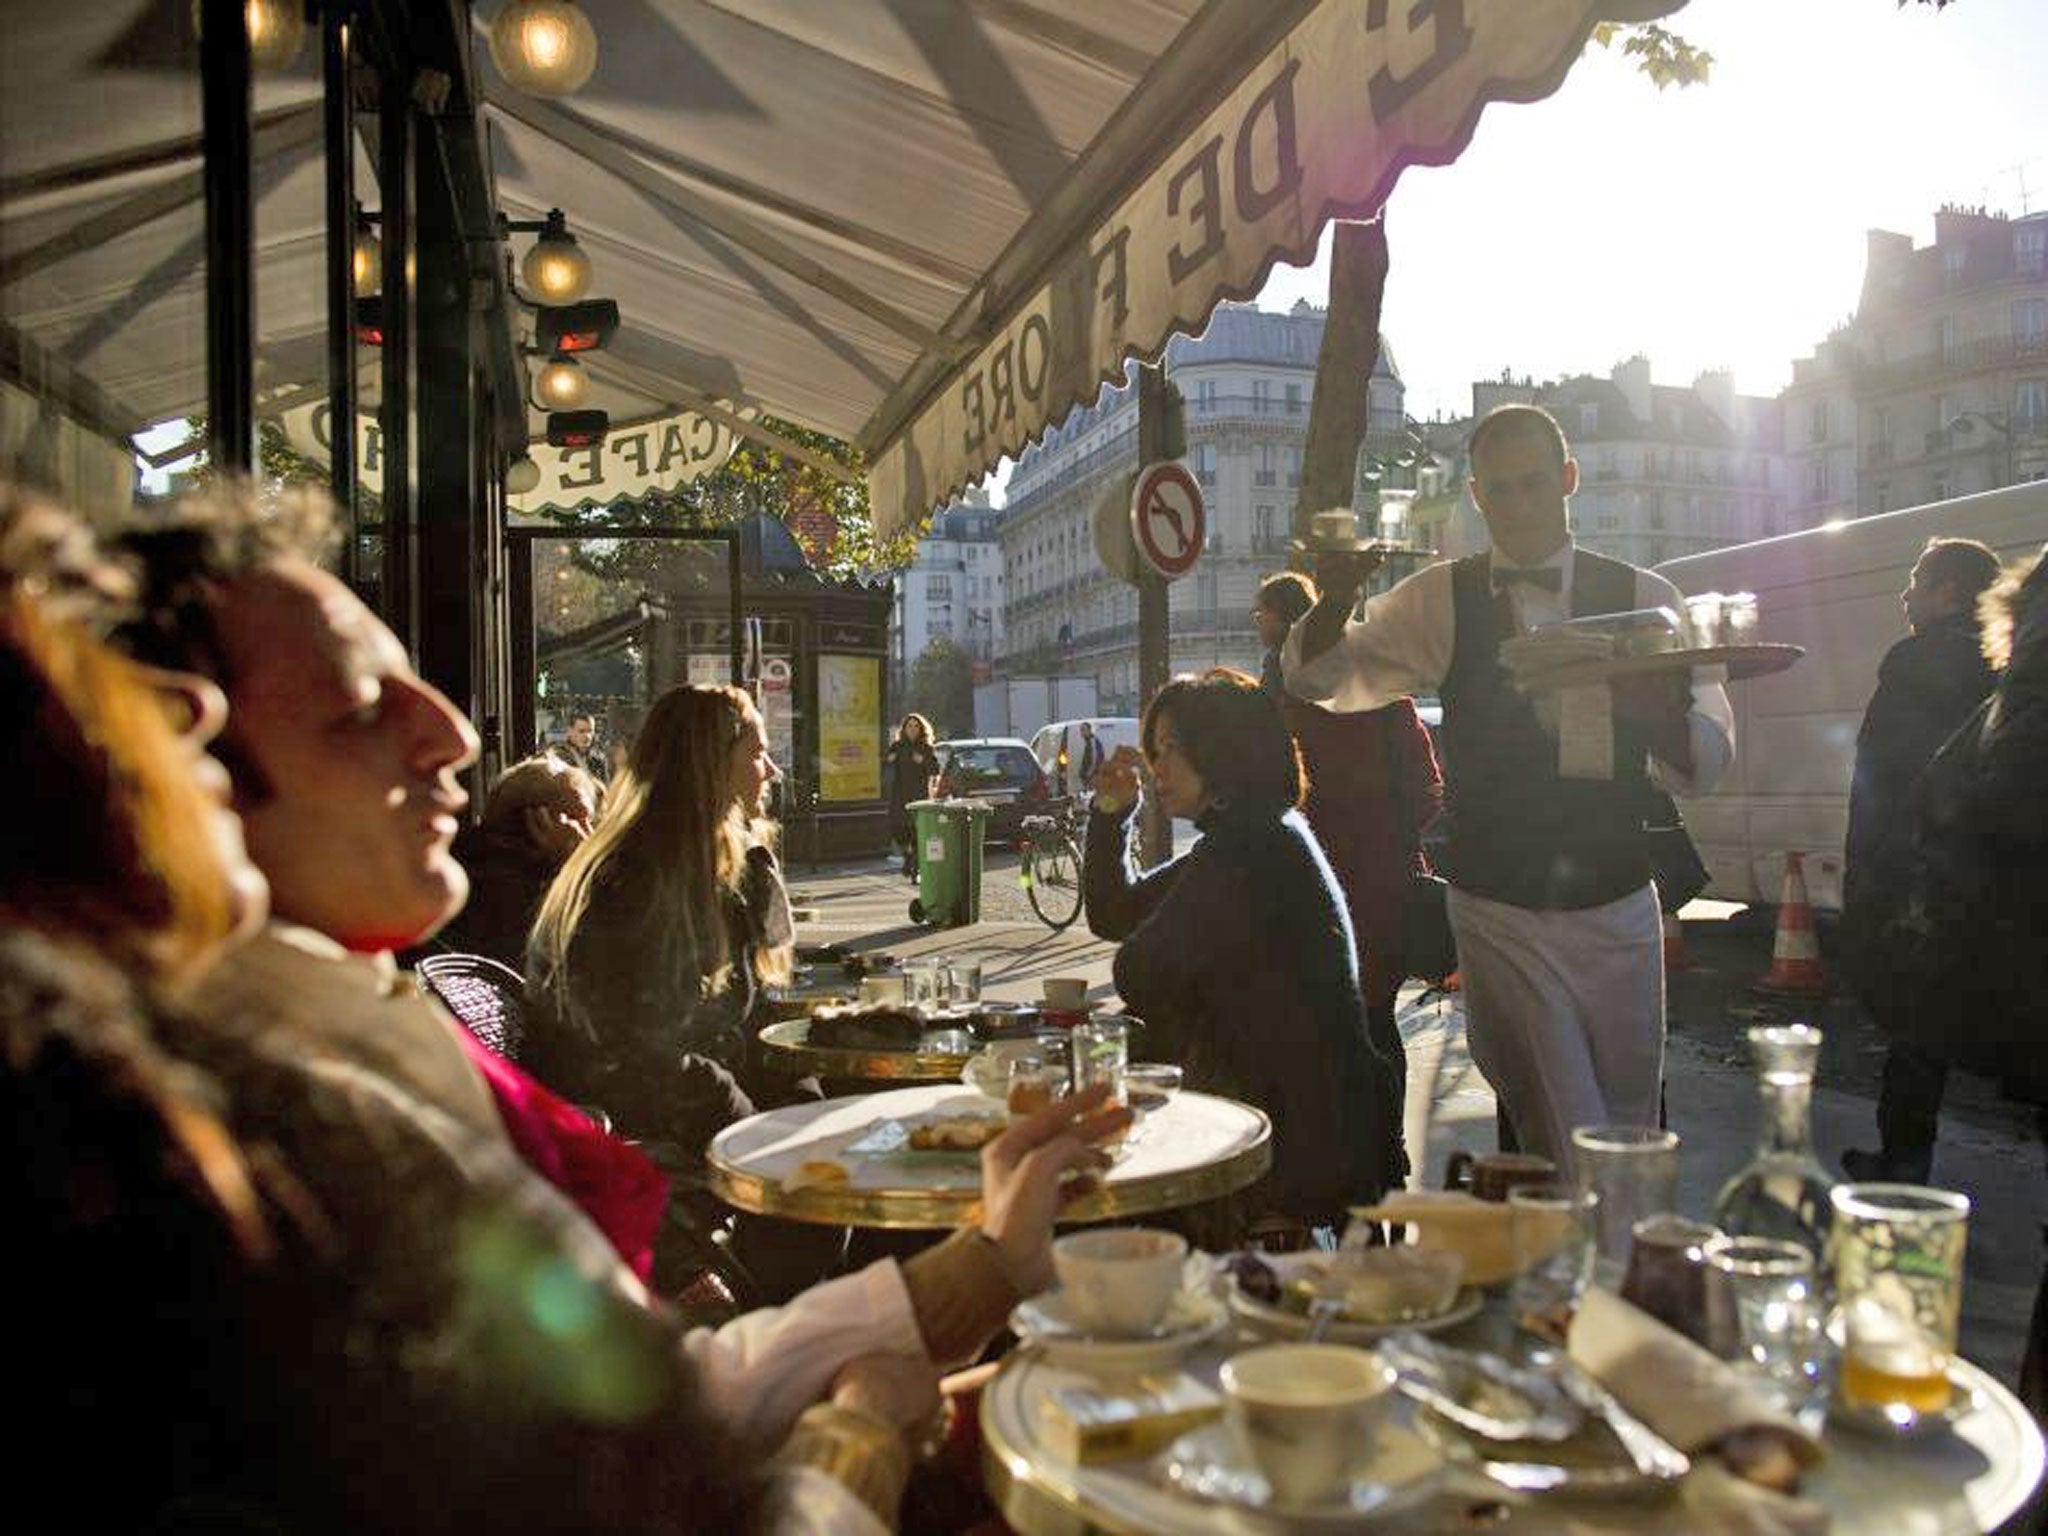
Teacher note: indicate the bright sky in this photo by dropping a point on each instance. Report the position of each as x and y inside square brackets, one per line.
[1718, 225]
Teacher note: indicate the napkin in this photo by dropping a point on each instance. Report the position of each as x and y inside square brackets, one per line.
[1690, 1397]
[1477, 1230]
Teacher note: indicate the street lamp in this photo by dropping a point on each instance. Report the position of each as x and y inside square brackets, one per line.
[1966, 422]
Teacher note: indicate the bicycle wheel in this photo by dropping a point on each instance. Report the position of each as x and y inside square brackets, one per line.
[1052, 880]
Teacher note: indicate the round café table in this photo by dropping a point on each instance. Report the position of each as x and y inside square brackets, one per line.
[937, 1058]
[1195, 1147]
[1973, 1479]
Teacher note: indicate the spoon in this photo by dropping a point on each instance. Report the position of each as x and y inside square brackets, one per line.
[1323, 1311]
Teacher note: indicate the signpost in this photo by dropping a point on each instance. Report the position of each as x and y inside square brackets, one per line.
[1168, 522]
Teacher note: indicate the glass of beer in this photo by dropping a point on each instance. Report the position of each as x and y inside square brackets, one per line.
[1897, 1255]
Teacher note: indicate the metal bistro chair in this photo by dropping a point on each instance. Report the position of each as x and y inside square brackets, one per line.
[486, 997]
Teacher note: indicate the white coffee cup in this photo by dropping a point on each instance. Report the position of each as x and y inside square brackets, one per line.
[1306, 1414]
[1119, 1280]
[1066, 993]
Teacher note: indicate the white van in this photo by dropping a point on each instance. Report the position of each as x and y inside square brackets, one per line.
[1057, 747]
[1834, 590]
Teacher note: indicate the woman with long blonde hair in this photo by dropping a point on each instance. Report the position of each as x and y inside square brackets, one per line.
[647, 961]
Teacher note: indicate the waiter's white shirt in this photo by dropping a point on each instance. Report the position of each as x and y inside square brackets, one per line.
[1403, 645]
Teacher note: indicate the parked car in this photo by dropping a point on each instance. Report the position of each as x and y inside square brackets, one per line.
[1000, 772]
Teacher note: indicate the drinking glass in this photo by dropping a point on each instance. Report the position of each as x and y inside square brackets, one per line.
[1774, 1323]
[1032, 1080]
[1634, 1170]
[963, 979]
[924, 983]
[1739, 619]
[1550, 1228]
[1703, 617]
[1667, 1273]
[1100, 1047]
[1897, 1254]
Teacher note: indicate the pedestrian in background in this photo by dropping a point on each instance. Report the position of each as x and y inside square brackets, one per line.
[912, 767]
[1928, 684]
[1373, 789]
[578, 747]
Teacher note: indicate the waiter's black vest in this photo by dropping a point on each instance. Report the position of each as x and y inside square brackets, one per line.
[1517, 831]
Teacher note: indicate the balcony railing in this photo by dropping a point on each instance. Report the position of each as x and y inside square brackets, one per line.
[1962, 357]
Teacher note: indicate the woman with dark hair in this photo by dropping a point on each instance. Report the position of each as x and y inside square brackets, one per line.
[1238, 955]
[911, 765]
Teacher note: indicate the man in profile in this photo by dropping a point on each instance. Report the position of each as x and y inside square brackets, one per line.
[1929, 683]
[1556, 919]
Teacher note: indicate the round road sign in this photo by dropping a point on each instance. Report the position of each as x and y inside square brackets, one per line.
[1168, 522]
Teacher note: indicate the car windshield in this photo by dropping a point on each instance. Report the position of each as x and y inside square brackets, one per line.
[981, 768]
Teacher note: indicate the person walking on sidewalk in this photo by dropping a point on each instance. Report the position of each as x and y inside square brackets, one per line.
[912, 766]
[1560, 945]
[1928, 684]
[1373, 789]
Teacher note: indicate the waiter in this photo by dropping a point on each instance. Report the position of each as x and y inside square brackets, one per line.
[1559, 940]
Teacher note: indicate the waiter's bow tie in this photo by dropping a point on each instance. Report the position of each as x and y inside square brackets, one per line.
[1548, 577]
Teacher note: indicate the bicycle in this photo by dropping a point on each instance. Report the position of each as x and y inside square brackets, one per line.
[1050, 871]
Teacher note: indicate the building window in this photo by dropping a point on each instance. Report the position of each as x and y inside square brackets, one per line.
[1205, 463]
[2030, 404]
[1954, 259]
[1294, 399]
[2030, 250]
[2030, 324]
[1294, 466]
[1820, 421]
[1817, 480]
[1884, 496]
[1205, 591]
[1266, 473]
[1881, 434]
[1589, 419]
[1263, 539]
[1262, 395]
[938, 589]
[1937, 488]
[1945, 338]
[1205, 394]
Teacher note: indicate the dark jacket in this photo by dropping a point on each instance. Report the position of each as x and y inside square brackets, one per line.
[1965, 941]
[1928, 684]
[668, 1061]
[508, 876]
[911, 766]
[1239, 958]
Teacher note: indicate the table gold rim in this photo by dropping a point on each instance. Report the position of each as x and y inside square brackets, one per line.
[927, 1209]
[1013, 1479]
[860, 1061]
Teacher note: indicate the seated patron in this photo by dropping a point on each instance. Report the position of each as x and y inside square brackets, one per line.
[1238, 955]
[537, 814]
[289, 1269]
[647, 965]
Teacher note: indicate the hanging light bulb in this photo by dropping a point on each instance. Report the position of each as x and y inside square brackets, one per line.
[276, 28]
[367, 262]
[563, 385]
[554, 269]
[522, 475]
[543, 47]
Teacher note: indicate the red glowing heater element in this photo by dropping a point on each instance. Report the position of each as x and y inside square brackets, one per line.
[577, 429]
[370, 321]
[585, 327]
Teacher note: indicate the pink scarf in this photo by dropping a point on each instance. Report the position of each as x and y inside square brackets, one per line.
[611, 1181]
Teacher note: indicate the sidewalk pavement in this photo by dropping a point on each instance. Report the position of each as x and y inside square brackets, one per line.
[1712, 1091]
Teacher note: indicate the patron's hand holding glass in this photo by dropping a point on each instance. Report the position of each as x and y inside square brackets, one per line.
[1025, 1179]
[1117, 780]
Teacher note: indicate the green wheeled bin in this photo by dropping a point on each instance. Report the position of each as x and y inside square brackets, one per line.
[949, 834]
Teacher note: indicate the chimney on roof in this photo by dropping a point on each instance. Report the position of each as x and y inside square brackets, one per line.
[1716, 390]
[1632, 378]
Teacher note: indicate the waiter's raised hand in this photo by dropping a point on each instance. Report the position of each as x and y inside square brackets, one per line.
[1116, 781]
[1340, 573]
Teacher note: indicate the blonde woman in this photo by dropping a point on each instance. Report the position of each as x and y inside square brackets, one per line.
[648, 959]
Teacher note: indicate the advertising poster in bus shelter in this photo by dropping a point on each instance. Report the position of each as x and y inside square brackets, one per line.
[849, 728]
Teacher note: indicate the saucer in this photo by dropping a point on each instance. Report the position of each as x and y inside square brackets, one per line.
[1963, 1400]
[1288, 1323]
[1192, 1317]
[1403, 1469]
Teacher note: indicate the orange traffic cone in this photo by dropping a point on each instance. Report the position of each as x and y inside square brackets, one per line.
[1795, 952]
[1676, 957]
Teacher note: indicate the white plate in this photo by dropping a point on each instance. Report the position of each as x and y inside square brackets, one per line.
[1402, 1470]
[1288, 1323]
[1193, 1317]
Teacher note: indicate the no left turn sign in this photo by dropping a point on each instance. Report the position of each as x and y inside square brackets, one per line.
[1168, 522]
